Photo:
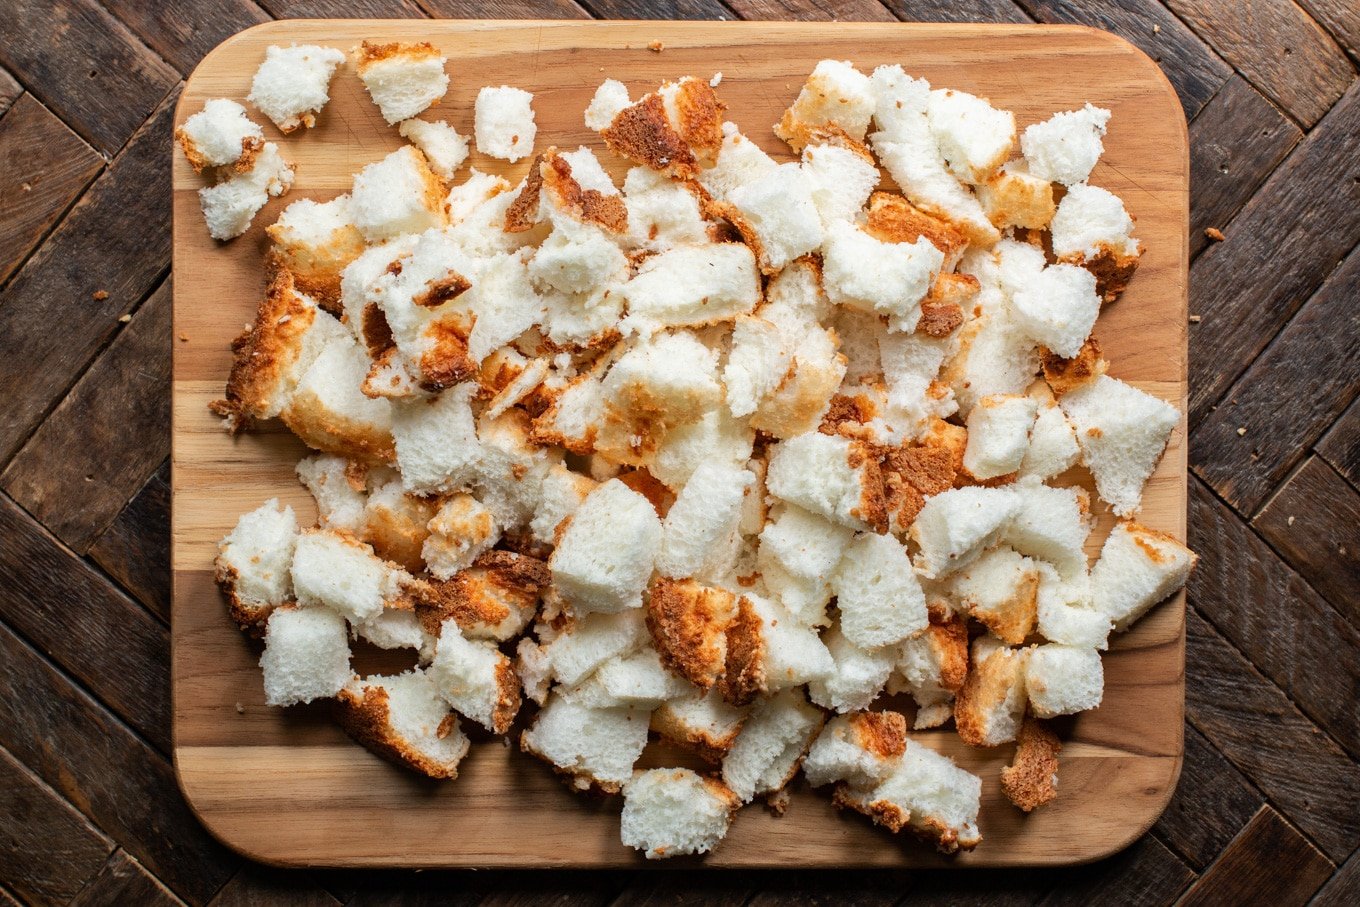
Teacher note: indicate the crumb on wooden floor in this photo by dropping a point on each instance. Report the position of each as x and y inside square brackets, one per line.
[1195, 319]
[99, 295]
[124, 319]
[183, 338]
[656, 47]
[1242, 431]
[1214, 233]
[1289, 522]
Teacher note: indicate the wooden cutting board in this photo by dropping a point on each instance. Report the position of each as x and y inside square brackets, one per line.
[288, 787]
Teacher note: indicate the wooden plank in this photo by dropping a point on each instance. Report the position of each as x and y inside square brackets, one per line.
[1002, 888]
[1269, 863]
[794, 888]
[1278, 48]
[48, 850]
[79, 620]
[1256, 727]
[10, 91]
[124, 881]
[43, 167]
[116, 239]
[1341, 445]
[7, 899]
[728, 889]
[577, 890]
[1314, 522]
[86, 66]
[426, 889]
[506, 9]
[135, 549]
[64, 475]
[1147, 873]
[1306, 214]
[111, 775]
[1246, 466]
[1213, 803]
[1129, 750]
[646, 9]
[949, 11]
[1237, 140]
[1314, 656]
[1341, 18]
[183, 32]
[1195, 70]
[262, 886]
[323, 9]
[813, 10]
[1343, 889]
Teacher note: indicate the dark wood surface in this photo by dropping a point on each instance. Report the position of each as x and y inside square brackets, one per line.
[1266, 810]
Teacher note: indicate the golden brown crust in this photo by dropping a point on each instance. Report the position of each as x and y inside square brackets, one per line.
[643, 134]
[942, 309]
[710, 747]
[882, 733]
[484, 595]
[316, 270]
[1015, 202]
[265, 352]
[831, 134]
[892, 218]
[251, 146]
[371, 52]
[872, 507]
[653, 489]
[700, 114]
[442, 290]
[397, 535]
[322, 429]
[1014, 620]
[688, 622]
[845, 412]
[588, 205]
[522, 214]
[366, 717]
[1064, 375]
[1142, 533]
[910, 474]
[985, 689]
[1112, 269]
[1030, 780]
[447, 362]
[950, 638]
[507, 697]
[744, 673]
[249, 617]
[889, 815]
[950, 438]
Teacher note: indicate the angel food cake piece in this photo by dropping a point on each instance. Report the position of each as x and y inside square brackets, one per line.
[293, 84]
[723, 454]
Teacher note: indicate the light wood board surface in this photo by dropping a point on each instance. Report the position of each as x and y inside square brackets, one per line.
[288, 787]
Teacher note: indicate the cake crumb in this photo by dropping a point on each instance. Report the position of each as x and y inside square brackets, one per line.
[1214, 233]
[240, 708]
[1289, 522]
[99, 295]
[1195, 319]
[1242, 431]
[124, 319]
[715, 81]
[183, 338]
[1156, 29]
[656, 47]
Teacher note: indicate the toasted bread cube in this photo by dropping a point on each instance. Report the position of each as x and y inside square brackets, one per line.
[293, 84]
[342, 573]
[1031, 780]
[1092, 229]
[1053, 447]
[859, 676]
[561, 492]
[609, 99]
[672, 130]
[843, 175]
[306, 655]
[1063, 375]
[460, 531]
[329, 410]
[402, 718]
[956, 526]
[704, 513]
[231, 205]
[574, 258]
[692, 285]
[1051, 524]
[688, 622]
[715, 435]
[998, 434]
[829, 475]
[593, 748]
[639, 680]
[989, 707]
[494, 599]
[974, 137]
[398, 194]
[1063, 680]
[927, 793]
[474, 194]
[1066, 613]
[1058, 308]
[1122, 432]
[999, 591]
[402, 79]
[777, 217]
[881, 278]
[659, 383]
[1014, 197]
[861, 748]
[396, 523]
[740, 161]
[476, 680]
[436, 441]
[316, 242]
[670, 812]
[662, 214]
[757, 363]
[504, 123]
[835, 94]
[1065, 147]
[252, 565]
[932, 667]
[574, 418]
[789, 654]
[606, 554]
[1138, 568]
[803, 396]
[880, 601]
[770, 747]
[220, 135]
[701, 722]
[444, 149]
[804, 544]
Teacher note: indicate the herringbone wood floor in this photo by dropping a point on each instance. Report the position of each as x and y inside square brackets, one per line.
[1268, 808]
